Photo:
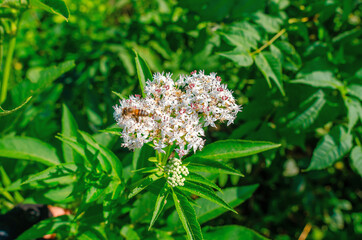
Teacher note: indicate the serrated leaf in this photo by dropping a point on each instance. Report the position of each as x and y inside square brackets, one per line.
[271, 68]
[239, 56]
[331, 148]
[69, 129]
[323, 79]
[187, 216]
[234, 196]
[210, 166]
[234, 232]
[160, 203]
[356, 159]
[53, 6]
[141, 184]
[143, 72]
[194, 177]
[310, 114]
[52, 172]
[205, 193]
[27, 148]
[231, 148]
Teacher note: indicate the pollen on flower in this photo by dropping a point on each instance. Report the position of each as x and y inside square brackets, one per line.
[175, 112]
[176, 173]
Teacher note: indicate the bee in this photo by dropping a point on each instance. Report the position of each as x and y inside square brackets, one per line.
[135, 113]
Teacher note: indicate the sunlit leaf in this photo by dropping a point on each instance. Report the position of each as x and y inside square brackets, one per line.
[27, 148]
[187, 216]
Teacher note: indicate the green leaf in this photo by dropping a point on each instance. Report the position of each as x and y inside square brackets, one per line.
[143, 72]
[187, 216]
[205, 193]
[27, 148]
[53, 6]
[227, 149]
[160, 203]
[239, 56]
[194, 177]
[354, 111]
[271, 68]
[291, 58]
[306, 118]
[138, 186]
[356, 159]
[331, 148]
[323, 79]
[112, 130]
[355, 90]
[129, 233]
[210, 166]
[47, 226]
[52, 172]
[69, 129]
[234, 196]
[108, 156]
[234, 232]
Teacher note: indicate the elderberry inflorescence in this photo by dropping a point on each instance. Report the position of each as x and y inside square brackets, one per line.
[177, 112]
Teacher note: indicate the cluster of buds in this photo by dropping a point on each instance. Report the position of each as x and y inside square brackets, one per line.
[175, 112]
[176, 173]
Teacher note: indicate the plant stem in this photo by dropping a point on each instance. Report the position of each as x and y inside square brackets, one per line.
[8, 61]
[269, 42]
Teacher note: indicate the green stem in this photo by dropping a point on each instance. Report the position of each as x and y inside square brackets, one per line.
[8, 61]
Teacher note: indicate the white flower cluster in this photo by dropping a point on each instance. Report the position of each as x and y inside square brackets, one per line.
[175, 112]
[176, 173]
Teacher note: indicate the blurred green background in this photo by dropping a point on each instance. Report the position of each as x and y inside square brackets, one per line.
[313, 67]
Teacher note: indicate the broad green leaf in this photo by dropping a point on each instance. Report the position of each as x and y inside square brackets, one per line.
[234, 232]
[53, 6]
[271, 68]
[331, 148]
[356, 159]
[354, 111]
[239, 56]
[141, 184]
[108, 156]
[27, 148]
[306, 118]
[47, 226]
[270, 23]
[226, 149]
[47, 75]
[52, 172]
[210, 166]
[323, 79]
[233, 196]
[143, 72]
[69, 129]
[205, 193]
[187, 216]
[160, 203]
[355, 90]
[194, 177]
[7, 112]
[129, 233]
[143, 208]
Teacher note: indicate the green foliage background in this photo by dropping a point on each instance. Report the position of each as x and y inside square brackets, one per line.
[303, 89]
